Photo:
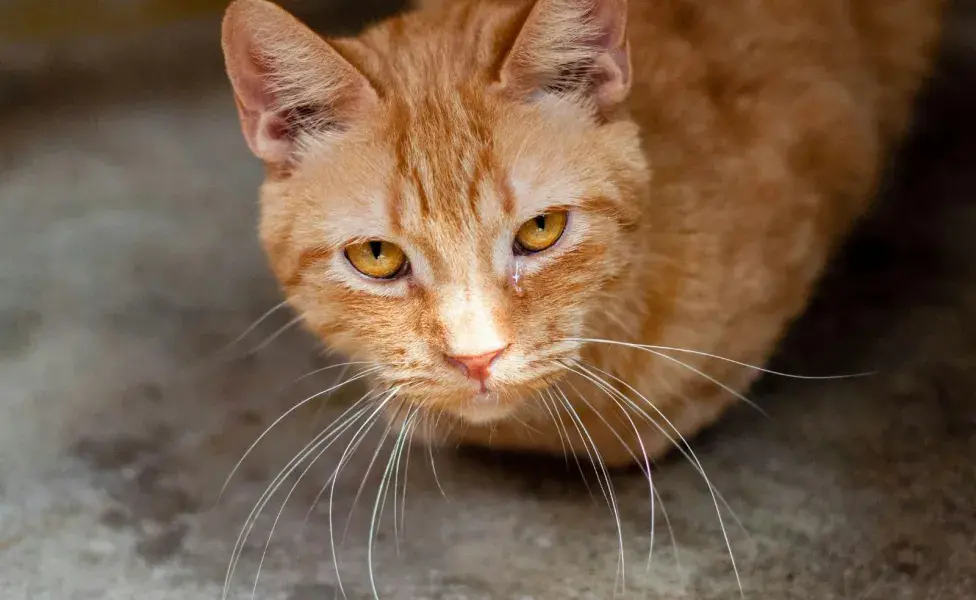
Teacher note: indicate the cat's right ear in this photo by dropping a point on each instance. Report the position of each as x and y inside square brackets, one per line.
[287, 79]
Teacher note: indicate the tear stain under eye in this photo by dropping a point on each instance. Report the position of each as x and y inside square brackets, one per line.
[517, 278]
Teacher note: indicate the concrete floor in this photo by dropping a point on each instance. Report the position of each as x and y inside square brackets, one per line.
[128, 261]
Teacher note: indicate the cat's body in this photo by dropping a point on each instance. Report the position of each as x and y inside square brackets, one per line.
[703, 183]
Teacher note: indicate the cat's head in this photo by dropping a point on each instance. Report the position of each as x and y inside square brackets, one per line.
[450, 195]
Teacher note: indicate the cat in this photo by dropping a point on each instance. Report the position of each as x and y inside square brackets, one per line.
[569, 225]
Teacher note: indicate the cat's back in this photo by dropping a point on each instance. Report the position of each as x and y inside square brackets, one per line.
[723, 55]
[732, 56]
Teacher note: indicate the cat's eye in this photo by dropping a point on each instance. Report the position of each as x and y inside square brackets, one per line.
[377, 259]
[540, 233]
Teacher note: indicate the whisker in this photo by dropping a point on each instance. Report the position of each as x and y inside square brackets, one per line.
[221, 356]
[326, 368]
[403, 497]
[430, 454]
[351, 448]
[683, 450]
[314, 419]
[398, 450]
[674, 540]
[369, 468]
[247, 331]
[257, 323]
[700, 373]
[579, 466]
[335, 429]
[381, 493]
[655, 494]
[274, 336]
[525, 425]
[250, 449]
[284, 504]
[316, 416]
[552, 416]
[650, 347]
[352, 442]
[608, 491]
[646, 465]
[687, 451]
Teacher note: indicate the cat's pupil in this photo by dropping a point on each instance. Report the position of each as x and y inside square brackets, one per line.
[540, 222]
[376, 248]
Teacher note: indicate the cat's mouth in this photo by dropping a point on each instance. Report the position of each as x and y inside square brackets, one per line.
[475, 408]
[496, 402]
[498, 397]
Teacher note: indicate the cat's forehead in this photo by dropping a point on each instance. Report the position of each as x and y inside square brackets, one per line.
[448, 177]
[415, 52]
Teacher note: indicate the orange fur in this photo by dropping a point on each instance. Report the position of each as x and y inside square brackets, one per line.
[711, 155]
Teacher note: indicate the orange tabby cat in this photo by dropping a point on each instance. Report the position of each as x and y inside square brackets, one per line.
[486, 201]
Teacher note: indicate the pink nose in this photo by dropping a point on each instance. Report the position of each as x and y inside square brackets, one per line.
[477, 367]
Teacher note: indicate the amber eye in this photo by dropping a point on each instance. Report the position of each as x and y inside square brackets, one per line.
[377, 259]
[540, 233]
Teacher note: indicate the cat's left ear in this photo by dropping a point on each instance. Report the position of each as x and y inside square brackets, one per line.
[577, 47]
[287, 80]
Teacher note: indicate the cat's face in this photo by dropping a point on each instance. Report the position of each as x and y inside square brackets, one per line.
[450, 233]
[432, 237]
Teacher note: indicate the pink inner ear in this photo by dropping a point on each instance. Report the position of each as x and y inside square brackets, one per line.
[572, 46]
[614, 85]
[613, 81]
[286, 78]
[242, 59]
[266, 132]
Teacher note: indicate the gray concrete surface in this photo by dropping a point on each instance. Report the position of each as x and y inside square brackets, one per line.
[128, 258]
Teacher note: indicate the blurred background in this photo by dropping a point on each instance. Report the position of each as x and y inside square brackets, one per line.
[129, 268]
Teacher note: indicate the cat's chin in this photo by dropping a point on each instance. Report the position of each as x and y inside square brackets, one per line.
[484, 410]
[475, 410]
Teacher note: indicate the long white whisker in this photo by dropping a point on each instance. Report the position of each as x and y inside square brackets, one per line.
[285, 472]
[700, 373]
[576, 458]
[321, 407]
[377, 506]
[403, 497]
[250, 329]
[326, 368]
[354, 443]
[684, 449]
[721, 358]
[608, 490]
[397, 449]
[430, 454]
[369, 468]
[250, 449]
[690, 455]
[559, 432]
[271, 338]
[655, 494]
[311, 463]
[646, 464]
[674, 540]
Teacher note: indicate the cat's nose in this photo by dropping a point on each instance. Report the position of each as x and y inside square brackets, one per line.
[476, 367]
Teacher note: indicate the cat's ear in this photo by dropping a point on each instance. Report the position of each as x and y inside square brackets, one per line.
[287, 79]
[571, 47]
